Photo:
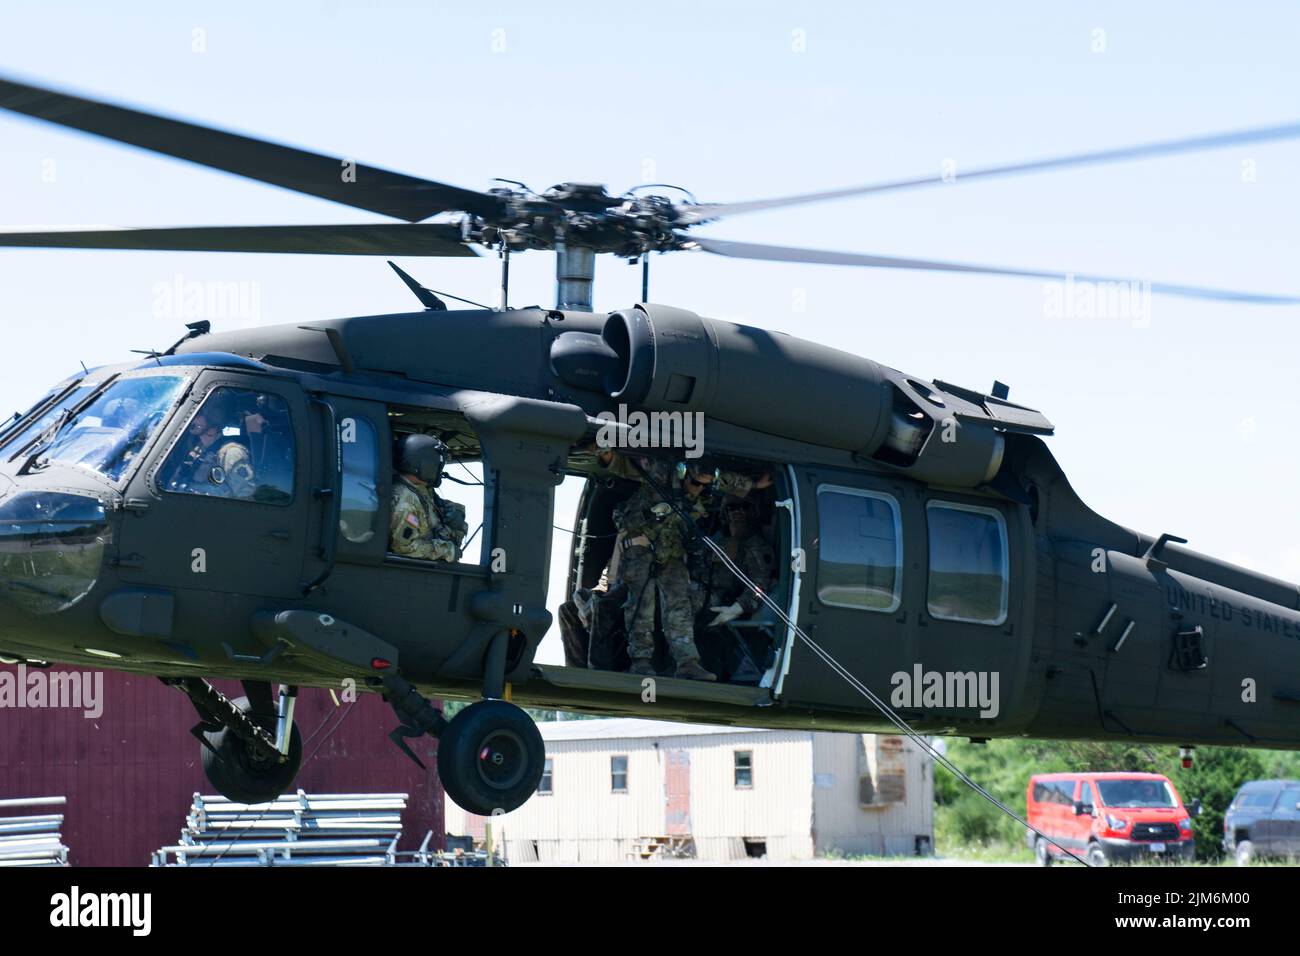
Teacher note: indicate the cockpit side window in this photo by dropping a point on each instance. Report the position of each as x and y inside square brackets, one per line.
[359, 514]
[239, 445]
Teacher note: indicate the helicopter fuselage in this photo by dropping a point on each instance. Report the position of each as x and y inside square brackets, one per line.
[1003, 606]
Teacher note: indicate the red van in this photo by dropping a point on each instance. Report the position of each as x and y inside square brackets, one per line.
[1102, 817]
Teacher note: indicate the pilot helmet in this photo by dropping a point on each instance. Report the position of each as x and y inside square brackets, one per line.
[423, 456]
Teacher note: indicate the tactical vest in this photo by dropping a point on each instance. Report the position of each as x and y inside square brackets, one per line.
[669, 537]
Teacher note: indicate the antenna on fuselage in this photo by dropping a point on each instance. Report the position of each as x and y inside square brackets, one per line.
[429, 297]
[202, 327]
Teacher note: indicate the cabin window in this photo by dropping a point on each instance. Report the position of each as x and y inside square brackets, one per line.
[547, 784]
[744, 769]
[239, 445]
[969, 578]
[1054, 791]
[359, 513]
[618, 774]
[860, 554]
[1257, 800]
[439, 522]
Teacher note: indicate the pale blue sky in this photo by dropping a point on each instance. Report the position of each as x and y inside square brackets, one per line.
[1186, 425]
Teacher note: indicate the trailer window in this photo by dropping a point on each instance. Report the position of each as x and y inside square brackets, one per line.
[744, 769]
[969, 578]
[860, 549]
[618, 774]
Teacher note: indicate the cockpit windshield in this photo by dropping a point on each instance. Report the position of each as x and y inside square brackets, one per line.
[28, 427]
[108, 434]
[12, 424]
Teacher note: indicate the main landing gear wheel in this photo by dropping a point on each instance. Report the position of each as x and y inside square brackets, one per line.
[238, 773]
[490, 757]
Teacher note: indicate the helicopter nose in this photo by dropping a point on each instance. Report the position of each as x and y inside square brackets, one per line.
[52, 548]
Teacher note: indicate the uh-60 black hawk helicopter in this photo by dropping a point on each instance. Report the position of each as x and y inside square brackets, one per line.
[916, 521]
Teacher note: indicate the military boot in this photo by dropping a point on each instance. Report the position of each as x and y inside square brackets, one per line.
[691, 670]
[642, 668]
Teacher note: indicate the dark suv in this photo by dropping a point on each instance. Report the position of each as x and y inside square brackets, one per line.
[1263, 820]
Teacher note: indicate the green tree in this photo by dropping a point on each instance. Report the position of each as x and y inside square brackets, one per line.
[450, 708]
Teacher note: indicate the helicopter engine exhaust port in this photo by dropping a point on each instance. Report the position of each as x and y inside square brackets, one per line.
[665, 359]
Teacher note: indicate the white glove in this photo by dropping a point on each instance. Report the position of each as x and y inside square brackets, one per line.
[725, 615]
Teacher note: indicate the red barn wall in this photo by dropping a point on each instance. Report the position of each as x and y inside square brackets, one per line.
[130, 774]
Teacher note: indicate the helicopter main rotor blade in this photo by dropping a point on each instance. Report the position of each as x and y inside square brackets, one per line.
[327, 177]
[357, 239]
[749, 250]
[694, 214]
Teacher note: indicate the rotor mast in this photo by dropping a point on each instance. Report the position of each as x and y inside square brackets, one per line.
[575, 275]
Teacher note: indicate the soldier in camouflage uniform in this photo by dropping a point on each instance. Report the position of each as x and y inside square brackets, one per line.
[728, 598]
[213, 464]
[653, 563]
[423, 525]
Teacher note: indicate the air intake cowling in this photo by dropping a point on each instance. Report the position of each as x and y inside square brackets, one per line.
[658, 358]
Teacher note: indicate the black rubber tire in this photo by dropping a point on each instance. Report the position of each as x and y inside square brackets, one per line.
[1244, 853]
[490, 757]
[234, 775]
[1042, 853]
[1097, 855]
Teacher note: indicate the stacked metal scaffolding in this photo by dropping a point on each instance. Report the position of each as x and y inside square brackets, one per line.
[32, 839]
[338, 829]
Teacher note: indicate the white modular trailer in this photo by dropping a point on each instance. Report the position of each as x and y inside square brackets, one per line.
[624, 788]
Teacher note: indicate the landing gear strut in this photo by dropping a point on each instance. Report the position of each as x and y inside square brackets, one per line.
[251, 747]
[490, 755]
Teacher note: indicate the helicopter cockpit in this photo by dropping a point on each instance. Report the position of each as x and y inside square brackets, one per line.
[54, 532]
